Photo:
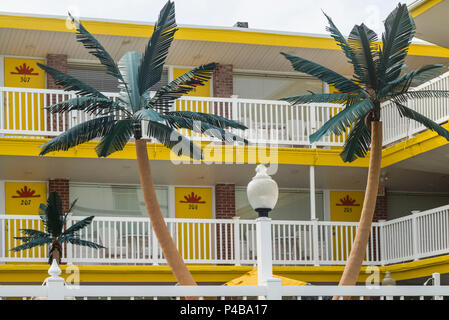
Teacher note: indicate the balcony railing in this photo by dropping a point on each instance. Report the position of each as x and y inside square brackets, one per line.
[23, 113]
[209, 241]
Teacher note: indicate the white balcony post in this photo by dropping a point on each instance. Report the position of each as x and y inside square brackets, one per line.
[274, 289]
[415, 236]
[2, 111]
[55, 284]
[154, 247]
[381, 242]
[264, 250]
[437, 282]
[234, 108]
[237, 240]
[316, 244]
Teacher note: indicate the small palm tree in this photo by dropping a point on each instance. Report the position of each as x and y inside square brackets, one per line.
[116, 122]
[377, 78]
[54, 235]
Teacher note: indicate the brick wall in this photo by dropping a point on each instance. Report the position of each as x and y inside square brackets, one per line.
[59, 62]
[380, 213]
[224, 209]
[61, 186]
[223, 81]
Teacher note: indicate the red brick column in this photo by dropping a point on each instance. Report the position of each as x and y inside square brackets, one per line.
[224, 209]
[59, 62]
[223, 87]
[61, 186]
[380, 213]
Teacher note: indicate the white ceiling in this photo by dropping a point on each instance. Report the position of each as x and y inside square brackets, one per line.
[35, 43]
[400, 177]
[432, 25]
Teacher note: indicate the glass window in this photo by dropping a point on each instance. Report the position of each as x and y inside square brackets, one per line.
[272, 87]
[114, 200]
[402, 204]
[291, 205]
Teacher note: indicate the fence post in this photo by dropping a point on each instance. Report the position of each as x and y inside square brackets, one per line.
[316, 244]
[415, 235]
[237, 240]
[154, 247]
[381, 241]
[234, 108]
[437, 282]
[55, 284]
[274, 289]
[264, 250]
[2, 111]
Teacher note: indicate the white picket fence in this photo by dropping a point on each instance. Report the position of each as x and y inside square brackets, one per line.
[55, 288]
[233, 241]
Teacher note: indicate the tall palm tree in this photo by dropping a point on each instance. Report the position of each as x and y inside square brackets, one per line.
[119, 121]
[377, 78]
[54, 235]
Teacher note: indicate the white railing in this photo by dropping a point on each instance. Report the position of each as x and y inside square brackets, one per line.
[226, 241]
[55, 288]
[396, 128]
[23, 113]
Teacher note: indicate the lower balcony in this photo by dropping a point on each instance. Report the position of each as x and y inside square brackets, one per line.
[233, 242]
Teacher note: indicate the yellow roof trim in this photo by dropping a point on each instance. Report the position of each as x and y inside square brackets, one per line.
[198, 34]
[423, 7]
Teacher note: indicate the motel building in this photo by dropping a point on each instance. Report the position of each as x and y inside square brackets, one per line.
[205, 204]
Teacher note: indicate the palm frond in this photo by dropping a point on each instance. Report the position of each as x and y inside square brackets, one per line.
[205, 128]
[403, 83]
[182, 85]
[340, 82]
[116, 139]
[429, 124]
[173, 140]
[33, 243]
[419, 94]
[81, 133]
[75, 240]
[344, 45]
[212, 119]
[54, 214]
[358, 142]
[78, 226]
[147, 114]
[150, 70]
[344, 119]
[71, 83]
[398, 35]
[96, 49]
[34, 233]
[340, 98]
[129, 89]
[72, 205]
[363, 41]
[91, 105]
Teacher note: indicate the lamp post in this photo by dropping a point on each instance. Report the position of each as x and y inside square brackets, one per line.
[263, 194]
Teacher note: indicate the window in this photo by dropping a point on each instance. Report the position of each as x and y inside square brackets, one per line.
[114, 200]
[269, 87]
[97, 77]
[291, 205]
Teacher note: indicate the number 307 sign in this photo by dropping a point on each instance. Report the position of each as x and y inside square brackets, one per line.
[24, 197]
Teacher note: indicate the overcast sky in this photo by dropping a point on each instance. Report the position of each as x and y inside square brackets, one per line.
[302, 16]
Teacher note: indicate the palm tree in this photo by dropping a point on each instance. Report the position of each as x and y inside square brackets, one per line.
[54, 235]
[116, 122]
[377, 78]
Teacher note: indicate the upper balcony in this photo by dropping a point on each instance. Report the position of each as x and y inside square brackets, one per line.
[271, 122]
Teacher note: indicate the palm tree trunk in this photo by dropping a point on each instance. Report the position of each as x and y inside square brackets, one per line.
[174, 259]
[355, 260]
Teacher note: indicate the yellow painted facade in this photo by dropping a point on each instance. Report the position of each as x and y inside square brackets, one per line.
[21, 273]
